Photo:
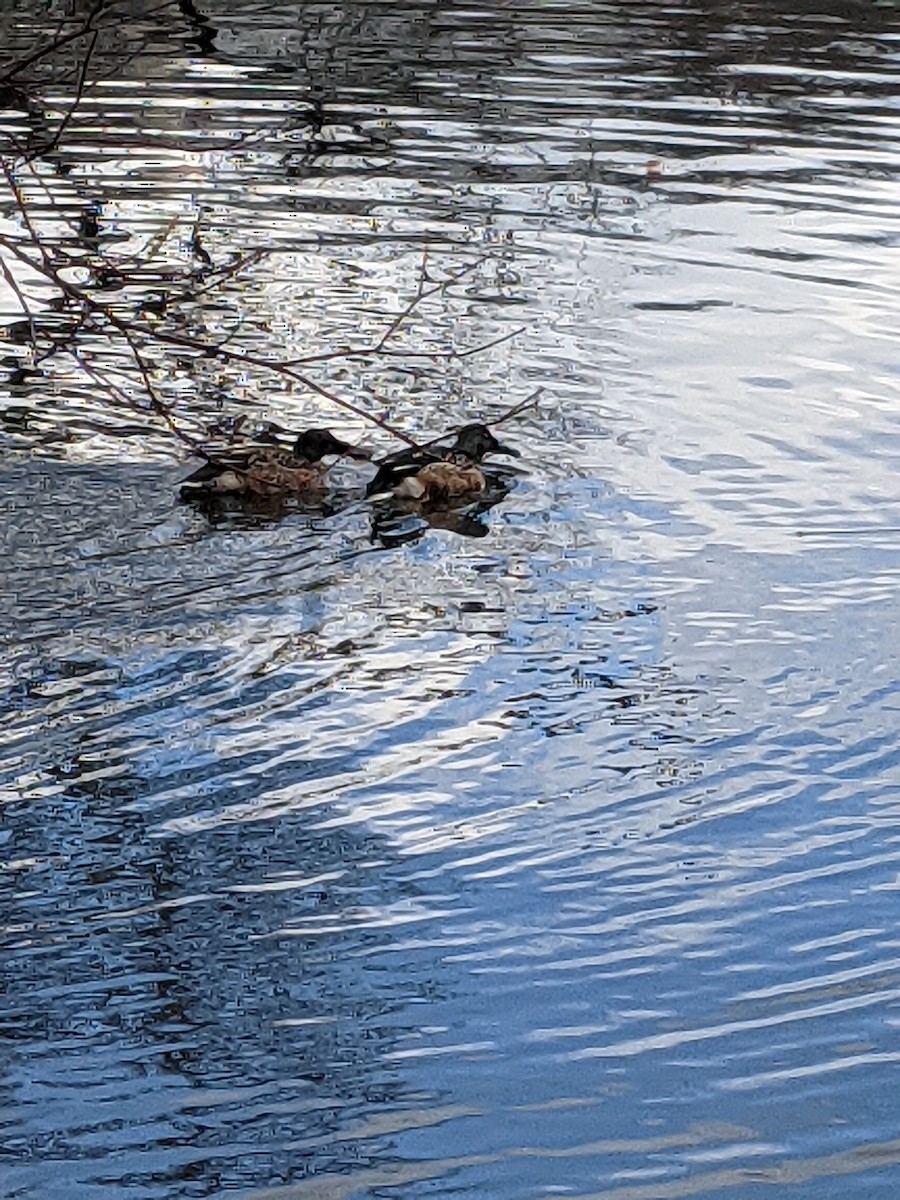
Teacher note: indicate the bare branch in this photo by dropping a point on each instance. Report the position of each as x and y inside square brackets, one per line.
[520, 407]
[70, 112]
[139, 324]
[422, 294]
[56, 43]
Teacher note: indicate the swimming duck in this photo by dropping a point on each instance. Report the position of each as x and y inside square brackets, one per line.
[261, 470]
[432, 474]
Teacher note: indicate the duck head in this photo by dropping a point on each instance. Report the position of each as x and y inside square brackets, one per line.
[314, 444]
[475, 441]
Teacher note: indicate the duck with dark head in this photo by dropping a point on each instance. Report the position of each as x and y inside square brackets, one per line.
[435, 475]
[271, 470]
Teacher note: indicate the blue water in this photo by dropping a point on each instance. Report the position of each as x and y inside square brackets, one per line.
[557, 861]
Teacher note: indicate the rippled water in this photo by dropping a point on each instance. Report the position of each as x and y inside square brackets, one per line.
[557, 861]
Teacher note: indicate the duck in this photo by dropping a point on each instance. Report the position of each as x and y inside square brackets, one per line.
[271, 470]
[432, 475]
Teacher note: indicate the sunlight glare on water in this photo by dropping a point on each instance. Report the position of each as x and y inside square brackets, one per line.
[557, 860]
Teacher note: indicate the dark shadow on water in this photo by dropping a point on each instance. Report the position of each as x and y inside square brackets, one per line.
[253, 512]
[217, 978]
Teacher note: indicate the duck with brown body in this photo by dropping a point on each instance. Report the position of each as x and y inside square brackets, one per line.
[434, 475]
[271, 471]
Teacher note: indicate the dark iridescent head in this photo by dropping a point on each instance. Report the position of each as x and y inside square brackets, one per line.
[315, 444]
[475, 441]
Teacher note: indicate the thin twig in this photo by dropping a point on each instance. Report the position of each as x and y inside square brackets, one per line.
[87, 26]
[55, 44]
[517, 408]
[423, 273]
[156, 404]
[127, 402]
[130, 329]
[23, 301]
[61, 346]
[510, 412]
[497, 341]
[125, 318]
[70, 112]
[424, 295]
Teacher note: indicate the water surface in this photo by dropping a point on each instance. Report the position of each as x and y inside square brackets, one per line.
[555, 861]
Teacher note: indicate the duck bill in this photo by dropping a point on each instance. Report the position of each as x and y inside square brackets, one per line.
[350, 451]
[501, 449]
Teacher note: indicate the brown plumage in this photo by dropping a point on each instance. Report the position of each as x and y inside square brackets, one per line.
[430, 474]
[271, 470]
[442, 481]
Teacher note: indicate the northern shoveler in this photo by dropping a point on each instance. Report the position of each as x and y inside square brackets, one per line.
[273, 471]
[431, 474]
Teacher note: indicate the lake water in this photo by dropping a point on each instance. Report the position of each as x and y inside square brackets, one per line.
[557, 861]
